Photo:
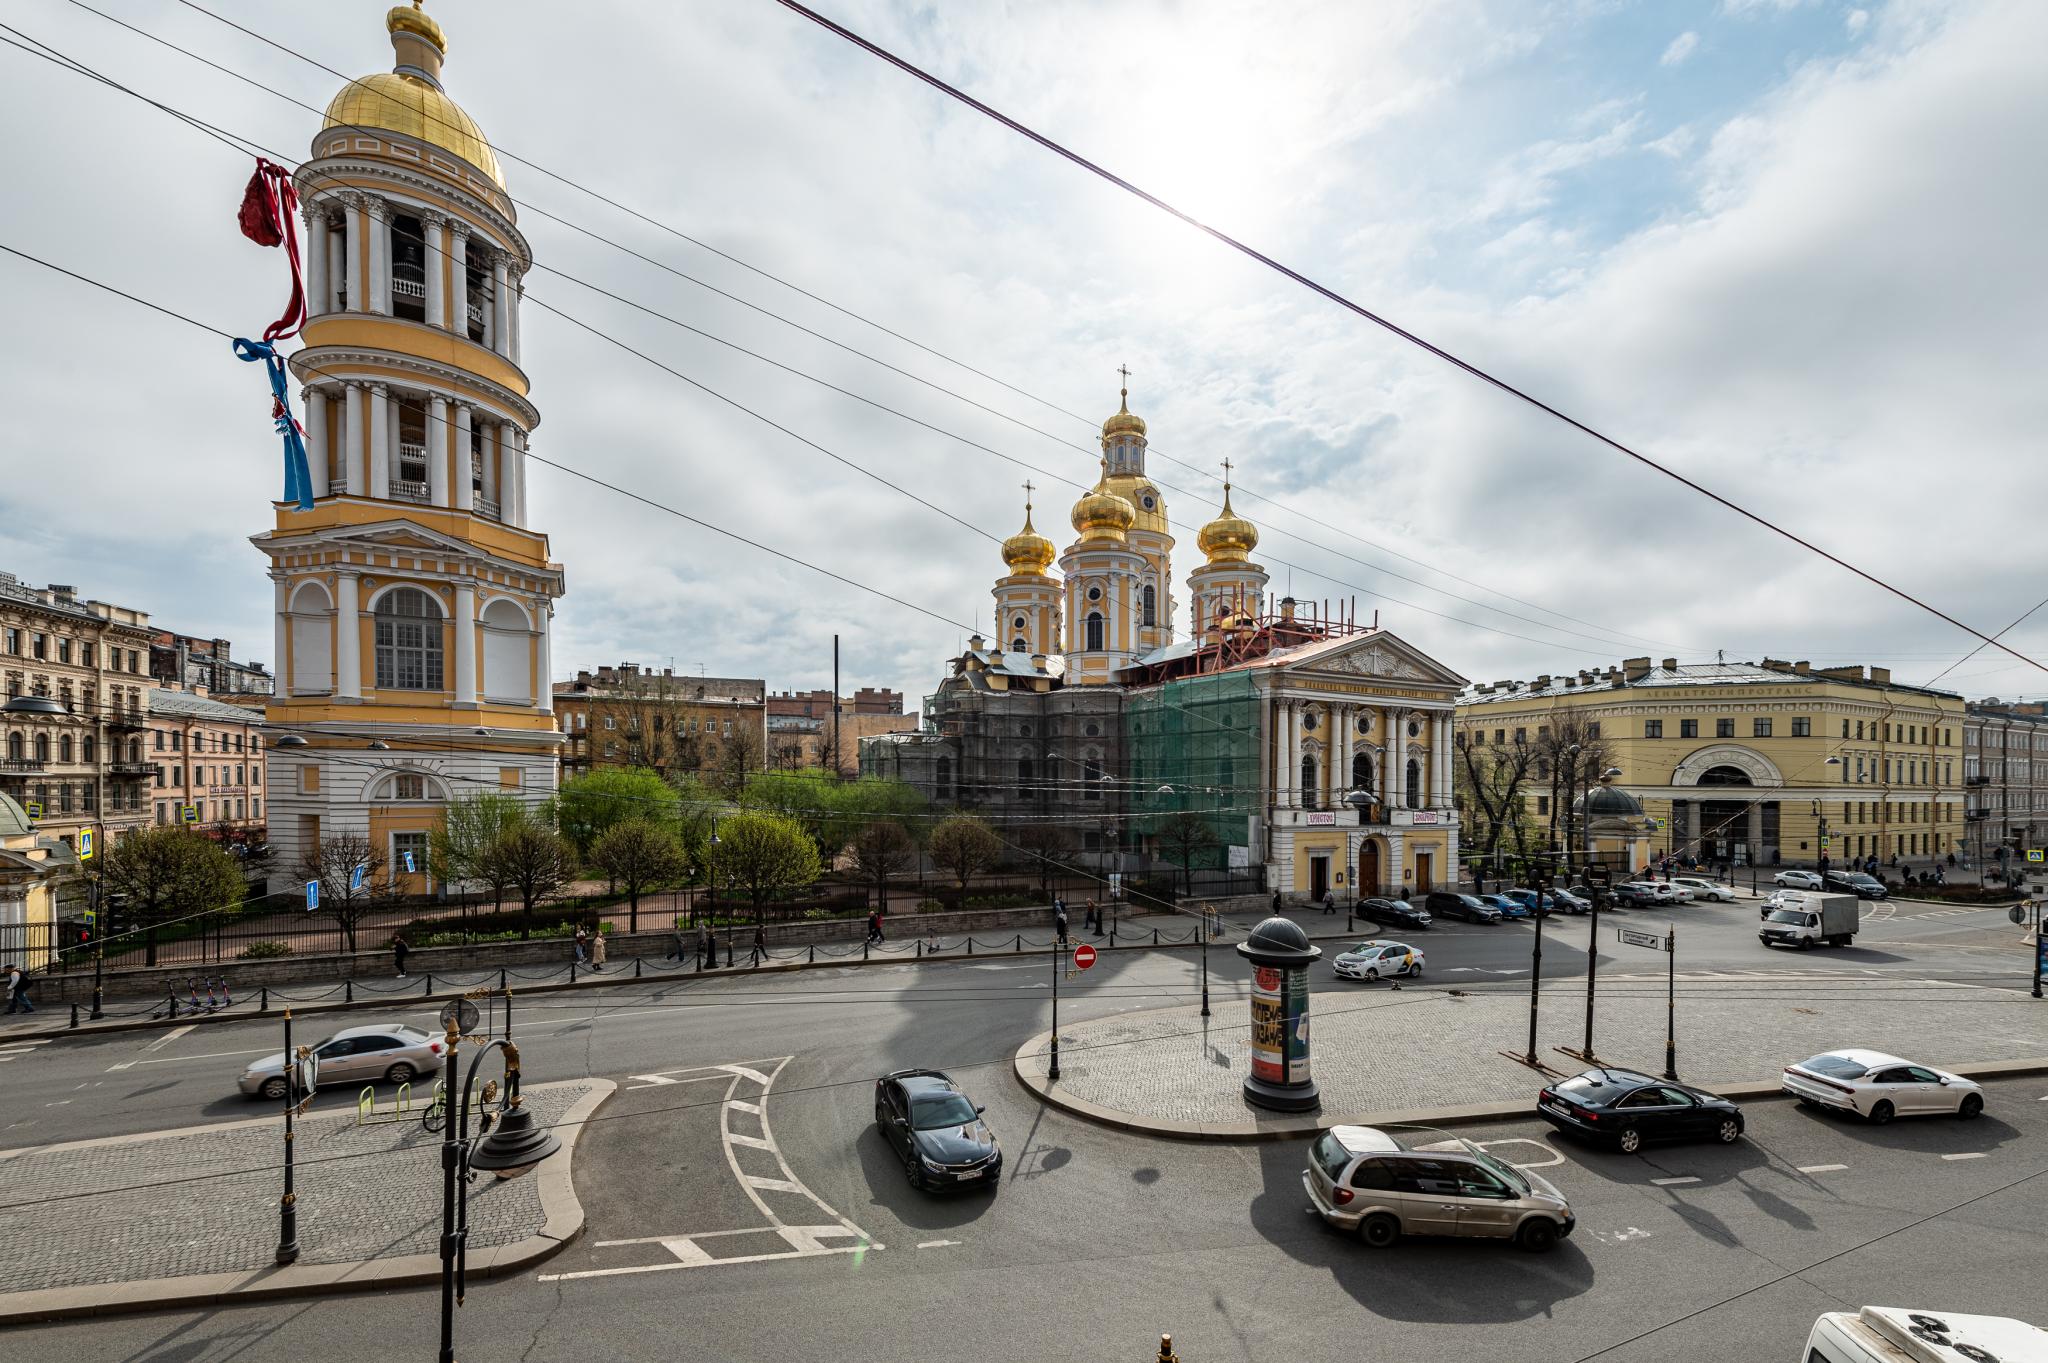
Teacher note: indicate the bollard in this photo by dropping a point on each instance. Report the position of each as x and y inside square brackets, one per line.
[1166, 1353]
[1017, 946]
[172, 995]
[970, 945]
[1155, 937]
[263, 1004]
[814, 953]
[348, 991]
[636, 967]
[572, 972]
[74, 1017]
[501, 979]
[864, 948]
[728, 951]
[920, 948]
[1349, 926]
[430, 988]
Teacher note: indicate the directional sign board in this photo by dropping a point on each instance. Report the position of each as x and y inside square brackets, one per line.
[1633, 938]
[1084, 956]
[408, 862]
[312, 895]
[355, 878]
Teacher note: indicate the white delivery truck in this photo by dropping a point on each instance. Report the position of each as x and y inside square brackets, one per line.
[1893, 1334]
[1832, 919]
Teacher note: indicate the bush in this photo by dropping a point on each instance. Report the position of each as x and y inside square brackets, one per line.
[539, 932]
[1002, 901]
[265, 951]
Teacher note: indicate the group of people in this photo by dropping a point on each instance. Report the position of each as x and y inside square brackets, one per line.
[1091, 918]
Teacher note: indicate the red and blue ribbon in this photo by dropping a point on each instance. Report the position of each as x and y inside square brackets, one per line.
[269, 217]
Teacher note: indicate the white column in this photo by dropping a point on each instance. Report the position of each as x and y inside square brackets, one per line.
[348, 637]
[501, 307]
[438, 452]
[465, 490]
[380, 257]
[354, 430]
[436, 267]
[380, 441]
[280, 634]
[1444, 769]
[1399, 786]
[546, 686]
[315, 400]
[491, 437]
[1290, 763]
[465, 643]
[319, 285]
[1388, 722]
[512, 322]
[513, 476]
[358, 232]
[1345, 717]
[458, 277]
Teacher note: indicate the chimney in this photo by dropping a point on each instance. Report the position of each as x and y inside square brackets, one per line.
[1671, 664]
[1881, 675]
[1803, 668]
[1543, 681]
[1633, 669]
[1286, 608]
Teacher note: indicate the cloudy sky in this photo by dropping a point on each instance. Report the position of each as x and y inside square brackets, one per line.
[1790, 249]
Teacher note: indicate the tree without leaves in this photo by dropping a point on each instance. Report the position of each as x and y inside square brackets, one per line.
[763, 854]
[457, 848]
[964, 845]
[640, 854]
[333, 862]
[1569, 756]
[732, 757]
[532, 859]
[882, 849]
[1490, 784]
[1047, 845]
[1183, 836]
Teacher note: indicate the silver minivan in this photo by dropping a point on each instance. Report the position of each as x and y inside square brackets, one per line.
[1384, 1186]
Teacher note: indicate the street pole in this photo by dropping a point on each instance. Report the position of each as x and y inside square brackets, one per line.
[288, 1206]
[456, 1116]
[1535, 966]
[99, 952]
[1671, 1002]
[1207, 911]
[1592, 968]
[1052, 1072]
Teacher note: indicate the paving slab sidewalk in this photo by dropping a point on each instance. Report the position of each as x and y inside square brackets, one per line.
[1434, 1055]
[190, 1217]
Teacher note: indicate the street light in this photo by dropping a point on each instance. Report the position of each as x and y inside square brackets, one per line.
[1358, 798]
[291, 741]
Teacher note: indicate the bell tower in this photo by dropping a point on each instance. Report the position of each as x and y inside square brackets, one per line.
[414, 600]
[1027, 599]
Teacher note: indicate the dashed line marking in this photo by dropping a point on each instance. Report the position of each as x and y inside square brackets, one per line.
[1673, 1182]
[935, 1244]
[1821, 1168]
[1974, 1154]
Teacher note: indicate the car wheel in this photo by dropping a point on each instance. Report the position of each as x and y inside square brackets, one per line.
[1881, 1114]
[1729, 1132]
[1379, 1230]
[275, 1088]
[1415, 969]
[401, 1073]
[1372, 976]
[1629, 1141]
[1536, 1236]
[913, 1170]
[1972, 1106]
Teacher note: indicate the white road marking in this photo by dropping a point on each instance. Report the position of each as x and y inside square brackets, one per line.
[61, 1102]
[1821, 1168]
[935, 1244]
[210, 1055]
[688, 1252]
[167, 1038]
[1974, 1154]
[1673, 1182]
[22, 1045]
[649, 1081]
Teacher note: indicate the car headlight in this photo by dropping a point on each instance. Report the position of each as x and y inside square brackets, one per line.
[931, 1163]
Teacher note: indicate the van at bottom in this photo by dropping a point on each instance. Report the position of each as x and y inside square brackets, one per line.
[1889, 1334]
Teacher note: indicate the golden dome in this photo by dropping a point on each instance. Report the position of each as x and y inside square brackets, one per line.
[1103, 515]
[1027, 551]
[409, 101]
[1230, 538]
[1149, 506]
[413, 19]
[1123, 423]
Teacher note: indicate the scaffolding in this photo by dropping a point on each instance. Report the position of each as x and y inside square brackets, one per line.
[1192, 746]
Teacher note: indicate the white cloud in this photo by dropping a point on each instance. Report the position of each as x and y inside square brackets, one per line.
[1856, 20]
[1681, 47]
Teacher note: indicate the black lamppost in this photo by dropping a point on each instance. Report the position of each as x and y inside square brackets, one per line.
[509, 1144]
[1359, 799]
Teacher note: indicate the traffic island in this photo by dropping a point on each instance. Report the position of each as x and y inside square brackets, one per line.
[1432, 1056]
[198, 1207]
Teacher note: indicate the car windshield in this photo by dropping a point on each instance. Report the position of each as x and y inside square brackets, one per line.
[1835, 1067]
[1793, 916]
[1592, 1088]
[1363, 947]
[940, 1109]
[1506, 1173]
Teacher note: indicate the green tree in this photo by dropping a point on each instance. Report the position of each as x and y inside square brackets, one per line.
[964, 845]
[882, 849]
[808, 798]
[345, 897]
[639, 854]
[589, 804]
[531, 858]
[1183, 836]
[457, 848]
[167, 873]
[763, 854]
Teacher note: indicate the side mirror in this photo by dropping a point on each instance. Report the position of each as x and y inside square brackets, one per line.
[979, 1108]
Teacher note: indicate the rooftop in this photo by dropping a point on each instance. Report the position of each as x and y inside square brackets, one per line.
[190, 705]
[1639, 674]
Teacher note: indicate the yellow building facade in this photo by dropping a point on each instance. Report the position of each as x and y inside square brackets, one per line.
[414, 599]
[1744, 763]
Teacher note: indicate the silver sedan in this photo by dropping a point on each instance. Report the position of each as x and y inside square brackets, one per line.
[1879, 1087]
[389, 1051]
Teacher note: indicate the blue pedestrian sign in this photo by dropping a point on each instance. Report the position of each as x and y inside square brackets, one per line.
[312, 895]
[85, 844]
[355, 878]
[408, 863]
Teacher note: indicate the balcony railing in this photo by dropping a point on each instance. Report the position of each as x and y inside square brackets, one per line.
[407, 490]
[130, 768]
[12, 766]
[126, 719]
[488, 508]
[409, 288]
[1976, 780]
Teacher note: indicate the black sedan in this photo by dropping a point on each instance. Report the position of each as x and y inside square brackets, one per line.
[1858, 884]
[936, 1130]
[1398, 912]
[1630, 1109]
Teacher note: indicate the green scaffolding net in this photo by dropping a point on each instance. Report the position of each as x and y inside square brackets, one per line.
[1191, 748]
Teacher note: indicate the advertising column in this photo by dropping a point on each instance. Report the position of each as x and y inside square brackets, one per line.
[1280, 955]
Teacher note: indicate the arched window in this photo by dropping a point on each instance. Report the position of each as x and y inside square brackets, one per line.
[1151, 605]
[64, 749]
[1094, 642]
[1361, 771]
[1091, 777]
[1024, 771]
[42, 747]
[408, 641]
[1310, 787]
[508, 653]
[1414, 784]
[1018, 645]
[14, 753]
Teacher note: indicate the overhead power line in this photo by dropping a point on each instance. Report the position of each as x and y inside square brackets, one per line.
[1484, 376]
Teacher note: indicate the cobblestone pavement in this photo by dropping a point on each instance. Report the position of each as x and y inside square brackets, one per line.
[115, 1210]
[1385, 1050]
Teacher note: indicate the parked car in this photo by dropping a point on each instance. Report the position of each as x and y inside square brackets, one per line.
[1879, 1087]
[389, 1051]
[1547, 903]
[1377, 959]
[1798, 880]
[1632, 1109]
[1706, 889]
[936, 1130]
[1890, 1334]
[1858, 884]
[1508, 908]
[1471, 908]
[1576, 900]
[1634, 894]
[1397, 912]
[1370, 1181]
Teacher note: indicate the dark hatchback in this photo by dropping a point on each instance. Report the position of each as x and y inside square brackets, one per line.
[1398, 912]
[1631, 1110]
[1471, 908]
[936, 1130]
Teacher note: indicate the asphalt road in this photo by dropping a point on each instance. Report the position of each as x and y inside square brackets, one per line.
[742, 1207]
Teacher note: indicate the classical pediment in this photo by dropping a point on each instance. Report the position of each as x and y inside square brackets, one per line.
[1380, 656]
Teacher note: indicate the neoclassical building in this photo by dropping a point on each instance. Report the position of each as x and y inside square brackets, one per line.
[413, 601]
[1315, 750]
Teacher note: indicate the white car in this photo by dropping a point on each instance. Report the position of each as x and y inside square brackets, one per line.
[1706, 889]
[1878, 1087]
[1783, 899]
[1663, 891]
[1798, 880]
[1377, 960]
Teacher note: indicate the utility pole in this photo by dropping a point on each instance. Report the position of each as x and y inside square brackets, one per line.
[1671, 1001]
[1536, 962]
[836, 769]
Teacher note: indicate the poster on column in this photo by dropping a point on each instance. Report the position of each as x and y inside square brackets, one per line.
[1296, 1027]
[1269, 1025]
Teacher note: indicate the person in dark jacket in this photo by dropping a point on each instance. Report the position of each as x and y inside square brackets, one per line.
[399, 950]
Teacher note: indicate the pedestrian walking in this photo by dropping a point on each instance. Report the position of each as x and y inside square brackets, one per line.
[597, 952]
[760, 944]
[1276, 901]
[582, 947]
[676, 952]
[18, 987]
[1478, 880]
[1059, 923]
[1329, 901]
[874, 926]
[399, 951]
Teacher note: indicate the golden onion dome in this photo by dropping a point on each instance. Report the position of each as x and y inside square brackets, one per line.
[1144, 498]
[1230, 538]
[413, 19]
[1123, 423]
[1027, 551]
[409, 101]
[1103, 515]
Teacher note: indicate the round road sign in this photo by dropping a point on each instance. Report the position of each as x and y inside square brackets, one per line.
[1084, 956]
[462, 1014]
[2018, 913]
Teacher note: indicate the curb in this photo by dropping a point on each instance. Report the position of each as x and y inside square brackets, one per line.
[588, 980]
[1282, 1128]
[563, 1222]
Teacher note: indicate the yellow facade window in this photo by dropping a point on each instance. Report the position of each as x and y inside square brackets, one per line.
[509, 778]
[309, 780]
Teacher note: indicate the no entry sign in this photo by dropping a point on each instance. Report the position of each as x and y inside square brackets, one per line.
[1084, 956]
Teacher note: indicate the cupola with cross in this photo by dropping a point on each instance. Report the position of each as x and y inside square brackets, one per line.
[1027, 598]
[1228, 584]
